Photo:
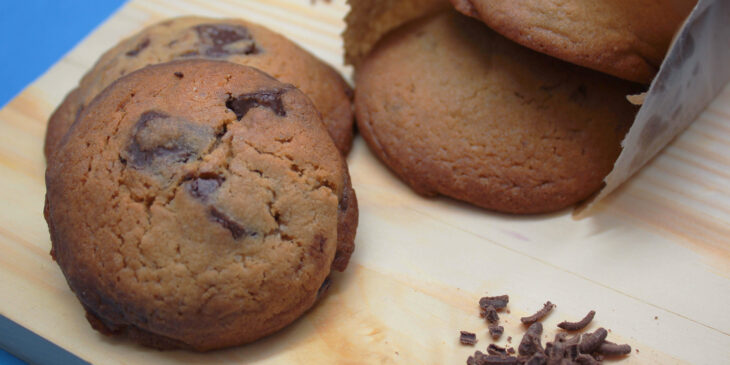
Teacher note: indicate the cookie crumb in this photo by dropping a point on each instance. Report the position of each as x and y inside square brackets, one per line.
[468, 338]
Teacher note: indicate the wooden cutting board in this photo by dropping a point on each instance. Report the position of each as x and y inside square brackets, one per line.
[653, 261]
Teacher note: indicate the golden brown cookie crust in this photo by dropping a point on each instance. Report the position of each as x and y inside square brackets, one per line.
[370, 20]
[476, 117]
[198, 204]
[249, 44]
[627, 39]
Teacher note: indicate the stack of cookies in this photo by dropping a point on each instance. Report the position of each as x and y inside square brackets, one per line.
[517, 107]
[197, 194]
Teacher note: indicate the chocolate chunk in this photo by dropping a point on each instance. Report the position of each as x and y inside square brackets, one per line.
[491, 315]
[179, 75]
[493, 349]
[591, 341]
[497, 302]
[221, 40]
[137, 49]
[268, 98]
[539, 315]
[468, 338]
[495, 331]
[479, 358]
[574, 326]
[221, 218]
[537, 359]
[159, 141]
[531, 340]
[611, 349]
[204, 185]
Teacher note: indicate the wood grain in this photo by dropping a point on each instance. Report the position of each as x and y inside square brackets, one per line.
[660, 246]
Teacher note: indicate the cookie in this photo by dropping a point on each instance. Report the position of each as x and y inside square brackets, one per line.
[230, 40]
[369, 20]
[476, 117]
[627, 39]
[198, 204]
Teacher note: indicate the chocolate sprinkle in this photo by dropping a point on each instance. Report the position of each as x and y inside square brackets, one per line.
[495, 331]
[468, 338]
[491, 315]
[493, 349]
[539, 315]
[574, 326]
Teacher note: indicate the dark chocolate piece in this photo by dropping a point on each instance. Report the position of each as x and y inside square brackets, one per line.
[179, 75]
[531, 340]
[493, 349]
[271, 99]
[575, 326]
[221, 40]
[591, 341]
[539, 315]
[138, 48]
[237, 231]
[468, 338]
[497, 302]
[495, 331]
[491, 315]
[158, 142]
[611, 349]
[204, 185]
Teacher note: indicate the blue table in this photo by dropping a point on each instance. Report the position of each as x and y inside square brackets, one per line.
[34, 35]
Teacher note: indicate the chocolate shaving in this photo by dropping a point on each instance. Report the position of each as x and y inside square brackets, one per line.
[575, 326]
[591, 341]
[608, 348]
[468, 338]
[495, 331]
[490, 313]
[539, 315]
[493, 349]
[531, 340]
[497, 302]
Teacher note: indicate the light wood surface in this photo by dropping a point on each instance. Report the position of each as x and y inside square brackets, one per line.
[653, 260]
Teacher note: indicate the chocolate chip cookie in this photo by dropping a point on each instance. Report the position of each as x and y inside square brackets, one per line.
[231, 40]
[477, 117]
[627, 39]
[198, 204]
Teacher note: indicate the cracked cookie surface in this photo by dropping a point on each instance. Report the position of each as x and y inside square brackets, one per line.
[627, 39]
[231, 40]
[481, 119]
[201, 211]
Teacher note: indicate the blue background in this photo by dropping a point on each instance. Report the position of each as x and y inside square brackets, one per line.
[34, 35]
